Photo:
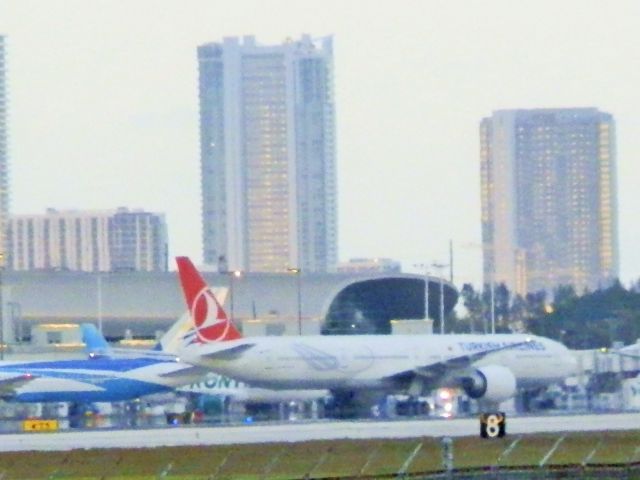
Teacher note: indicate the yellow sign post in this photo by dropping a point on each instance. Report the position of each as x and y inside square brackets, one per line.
[37, 425]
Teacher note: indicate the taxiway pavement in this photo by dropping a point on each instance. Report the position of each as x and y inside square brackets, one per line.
[294, 432]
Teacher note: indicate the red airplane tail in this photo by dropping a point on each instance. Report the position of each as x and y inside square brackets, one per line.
[210, 322]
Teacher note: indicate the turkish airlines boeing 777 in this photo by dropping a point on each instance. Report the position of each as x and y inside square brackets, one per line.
[354, 367]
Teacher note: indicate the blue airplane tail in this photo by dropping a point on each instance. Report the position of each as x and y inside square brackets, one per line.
[97, 347]
[95, 343]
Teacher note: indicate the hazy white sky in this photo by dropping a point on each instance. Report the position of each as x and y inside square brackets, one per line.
[104, 113]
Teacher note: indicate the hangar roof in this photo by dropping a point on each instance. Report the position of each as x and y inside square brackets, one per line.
[147, 301]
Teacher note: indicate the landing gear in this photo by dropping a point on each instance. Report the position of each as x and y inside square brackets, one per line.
[493, 425]
[343, 404]
[348, 404]
[413, 407]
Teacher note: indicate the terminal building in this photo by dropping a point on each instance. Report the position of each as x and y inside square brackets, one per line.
[140, 304]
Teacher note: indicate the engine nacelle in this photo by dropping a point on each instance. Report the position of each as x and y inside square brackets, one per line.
[494, 383]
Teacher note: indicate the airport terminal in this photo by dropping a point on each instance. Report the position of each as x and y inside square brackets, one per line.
[139, 304]
[43, 311]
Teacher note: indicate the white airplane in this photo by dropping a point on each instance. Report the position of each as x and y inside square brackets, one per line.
[489, 368]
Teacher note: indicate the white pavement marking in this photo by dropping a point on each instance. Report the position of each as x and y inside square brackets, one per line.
[508, 450]
[295, 432]
[588, 458]
[551, 451]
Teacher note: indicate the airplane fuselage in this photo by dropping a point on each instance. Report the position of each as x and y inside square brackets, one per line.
[365, 361]
[98, 380]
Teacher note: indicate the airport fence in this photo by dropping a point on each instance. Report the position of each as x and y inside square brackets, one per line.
[592, 472]
[612, 455]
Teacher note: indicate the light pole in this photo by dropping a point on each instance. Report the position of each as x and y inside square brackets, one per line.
[233, 275]
[297, 272]
[440, 267]
[16, 319]
[492, 291]
[426, 288]
[487, 250]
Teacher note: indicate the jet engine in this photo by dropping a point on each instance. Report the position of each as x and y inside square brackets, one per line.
[493, 383]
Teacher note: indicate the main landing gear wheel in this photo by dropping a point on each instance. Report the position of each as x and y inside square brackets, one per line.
[493, 425]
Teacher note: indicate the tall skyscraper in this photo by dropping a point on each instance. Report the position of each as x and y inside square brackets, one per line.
[548, 187]
[4, 155]
[89, 241]
[267, 149]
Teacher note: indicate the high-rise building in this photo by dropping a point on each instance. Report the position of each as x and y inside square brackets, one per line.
[549, 213]
[4, 155]
[90, 241]
[267, 147]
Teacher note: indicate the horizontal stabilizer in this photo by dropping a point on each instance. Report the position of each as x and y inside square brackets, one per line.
[226, 353]
[191, 370]
[123, 353]
[9, 385]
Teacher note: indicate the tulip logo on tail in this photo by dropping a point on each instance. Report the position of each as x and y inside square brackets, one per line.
[210, 321]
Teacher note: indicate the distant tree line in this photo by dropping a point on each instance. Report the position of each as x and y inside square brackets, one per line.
[591, 320]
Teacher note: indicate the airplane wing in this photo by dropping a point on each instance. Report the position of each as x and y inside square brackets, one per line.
[188, 371]
[97, 347]
[137, 353]
[434, 372]
[9, 385]
[623, 352]
[220, 352]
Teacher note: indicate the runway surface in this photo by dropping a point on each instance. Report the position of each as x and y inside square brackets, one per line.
[295, 432]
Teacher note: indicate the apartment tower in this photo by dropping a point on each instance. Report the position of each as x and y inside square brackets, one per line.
[548, 187]
[89, 241]
[267, 147]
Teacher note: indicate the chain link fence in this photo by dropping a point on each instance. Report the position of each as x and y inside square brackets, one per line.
[612, 455]
[591, 472]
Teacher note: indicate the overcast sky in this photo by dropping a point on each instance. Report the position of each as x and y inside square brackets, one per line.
[104, 113]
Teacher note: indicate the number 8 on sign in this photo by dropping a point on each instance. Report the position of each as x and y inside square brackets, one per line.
[492, 425]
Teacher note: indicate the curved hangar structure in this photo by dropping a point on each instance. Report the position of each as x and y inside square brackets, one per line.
[263, 303]
[369, 305]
